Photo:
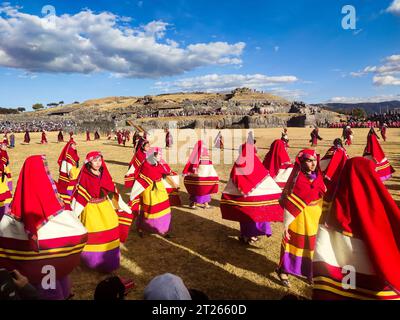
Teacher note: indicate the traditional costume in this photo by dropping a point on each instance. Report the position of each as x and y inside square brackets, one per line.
[60, 137]
[383, 131]
[168, 139]
[285, 137]
[97, 213]
[277, 162]
[347, 135]
[373, 151]
[251, 196]
[302, 202]
[331, 166]
[357, 253]
[68, 163]
[219, 141]
[27, 137]
[39, 232]
[153, 203]
[171, 180]
[44, 138]
[5, 182]
[137, 160]
[12, 140]
[201, 179]
[87, 135]
[315, 137]
[96, 135]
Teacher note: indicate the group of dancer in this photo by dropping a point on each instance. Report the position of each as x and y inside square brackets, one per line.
[335, 212]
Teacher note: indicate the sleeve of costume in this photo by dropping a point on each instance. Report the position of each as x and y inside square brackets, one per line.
[138, 187]
[292, 206]
[74, 173]
[119, 203]
[80, 199]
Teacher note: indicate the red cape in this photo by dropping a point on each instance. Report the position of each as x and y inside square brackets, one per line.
[248, 172]
[35, 199]
[363, 207]
[276, 157]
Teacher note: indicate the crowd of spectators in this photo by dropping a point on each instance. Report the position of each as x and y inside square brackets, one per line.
[36, 125]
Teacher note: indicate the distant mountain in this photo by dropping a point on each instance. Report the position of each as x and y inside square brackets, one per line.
[369, 107]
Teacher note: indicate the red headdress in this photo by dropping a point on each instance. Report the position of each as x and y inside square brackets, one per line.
[199, 151]
[276, 157]
[68, 153]
[91, 186]
[300, 191]
[248, 172]
[35, 200]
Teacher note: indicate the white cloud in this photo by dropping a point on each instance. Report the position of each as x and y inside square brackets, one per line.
[386, 81]
[381, 98]
[225, 82]
[276, 48]
[87, 42]
[288, 94]
[394, 7]
[385, 75]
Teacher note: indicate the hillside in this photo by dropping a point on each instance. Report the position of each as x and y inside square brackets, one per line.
[369, 107]
[240, 108]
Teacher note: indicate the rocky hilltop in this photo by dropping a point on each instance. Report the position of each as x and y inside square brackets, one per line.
[241, 108]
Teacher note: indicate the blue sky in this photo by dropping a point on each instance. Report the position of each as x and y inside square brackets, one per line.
[296, 49]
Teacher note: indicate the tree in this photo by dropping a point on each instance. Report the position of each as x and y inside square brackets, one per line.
[37, 106]
[61, 102]
[359, 113]
[21, 109]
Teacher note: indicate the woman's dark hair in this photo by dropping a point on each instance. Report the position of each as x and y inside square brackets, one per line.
[110, 289]
[338, 142]
[197, 295]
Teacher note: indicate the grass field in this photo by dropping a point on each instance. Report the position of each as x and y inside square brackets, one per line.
[204, 249]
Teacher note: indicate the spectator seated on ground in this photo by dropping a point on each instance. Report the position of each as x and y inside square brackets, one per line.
[166, 287]
[15, 286]
[171, 287]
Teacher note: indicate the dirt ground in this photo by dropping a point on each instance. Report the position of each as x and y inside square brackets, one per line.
[204, 249]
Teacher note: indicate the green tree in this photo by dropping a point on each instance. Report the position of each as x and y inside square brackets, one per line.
[37, 106]
[359, 113]
[21, 109]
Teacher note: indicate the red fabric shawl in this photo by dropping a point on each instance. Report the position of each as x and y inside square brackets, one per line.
[301, 187]
[248, 171]
[150, 173]
[137, 160]
[373, 148]
[35, 200]
[4, 157]
[363, 207]
[199, 151]
[338, 158]
[91, 186]
[276, 157]
[67, 150]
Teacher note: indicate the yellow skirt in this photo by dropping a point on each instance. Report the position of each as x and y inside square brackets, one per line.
[297, 253]
[155, 211]
[102, 249]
